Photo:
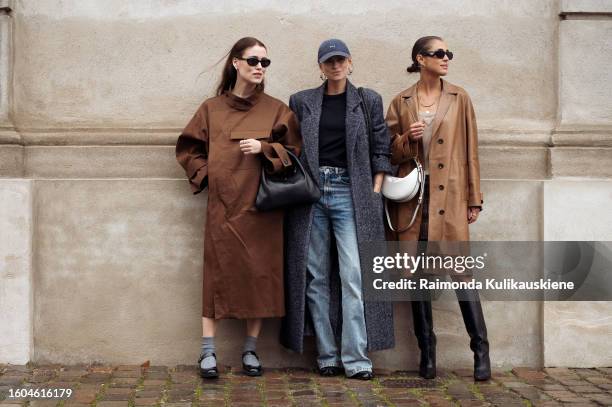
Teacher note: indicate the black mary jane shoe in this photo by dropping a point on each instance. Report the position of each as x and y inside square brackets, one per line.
[250, 370]
[363, 375]
[329, 371]
[211, 373]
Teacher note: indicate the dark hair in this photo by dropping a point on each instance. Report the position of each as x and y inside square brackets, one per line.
[420, 45]
[229, 75]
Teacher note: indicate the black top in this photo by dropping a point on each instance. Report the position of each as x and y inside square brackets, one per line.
[332, 131]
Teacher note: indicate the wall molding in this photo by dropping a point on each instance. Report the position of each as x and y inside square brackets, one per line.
[96, 153]
[566, 135]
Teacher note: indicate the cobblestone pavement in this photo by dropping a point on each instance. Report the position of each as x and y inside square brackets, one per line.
[180, 386]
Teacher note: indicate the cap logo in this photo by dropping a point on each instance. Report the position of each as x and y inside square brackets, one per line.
[332, 46]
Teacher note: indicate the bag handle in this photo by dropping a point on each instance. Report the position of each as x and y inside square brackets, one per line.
[421, 174]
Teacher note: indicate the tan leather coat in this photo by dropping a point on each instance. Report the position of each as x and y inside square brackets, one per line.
[454, 170]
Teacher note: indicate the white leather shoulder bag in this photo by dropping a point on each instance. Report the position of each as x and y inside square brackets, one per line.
[397, 189]
[404, 189]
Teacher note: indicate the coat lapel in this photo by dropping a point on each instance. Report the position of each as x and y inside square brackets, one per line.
[354, 119]
[411, 103]
[446, 98]
[410, 99]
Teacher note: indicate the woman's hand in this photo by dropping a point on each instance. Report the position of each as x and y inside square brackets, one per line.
[250, 146]
[472, 214]
[378, 180]
[416, 130]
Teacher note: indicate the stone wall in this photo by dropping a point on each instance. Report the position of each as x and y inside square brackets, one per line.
[101, 240]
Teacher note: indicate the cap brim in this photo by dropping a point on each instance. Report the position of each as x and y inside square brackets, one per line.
[333, 54]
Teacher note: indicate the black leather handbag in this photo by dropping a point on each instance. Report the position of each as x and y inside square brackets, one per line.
[293, 186]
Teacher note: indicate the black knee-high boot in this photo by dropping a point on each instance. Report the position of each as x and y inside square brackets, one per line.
[476, 328]
[423, 330]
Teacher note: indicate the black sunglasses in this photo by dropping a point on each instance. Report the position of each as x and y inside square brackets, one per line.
[253, 61]
[438, 54]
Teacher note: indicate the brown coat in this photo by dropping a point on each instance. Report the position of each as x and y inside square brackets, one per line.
[243, 248]
[454, 170]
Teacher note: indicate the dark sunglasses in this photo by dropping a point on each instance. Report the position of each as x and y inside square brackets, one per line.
[253, 61]
[438, 54]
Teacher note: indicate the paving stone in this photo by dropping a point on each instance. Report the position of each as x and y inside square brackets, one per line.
[302, 393]
[180, 395]
[96, 377]
[526, 373]
[605, 399]
[11, 380]
[117, 394]
[473, 403]
[148, 393]
[439, 401]
[112, 404]
[70, 375]
[460, 391]
[128, 374]
[464, 372]
[158, 368]
[124, 383]
[156, 375]
[598, 380]
[43, 403]
[532, 394]
[83, 396]
[585, 388]
[549, 403]
[294, 380]
[515, 385]
[146, 401]
[553, 387]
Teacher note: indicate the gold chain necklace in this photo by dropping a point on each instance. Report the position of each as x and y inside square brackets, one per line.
[419, 99]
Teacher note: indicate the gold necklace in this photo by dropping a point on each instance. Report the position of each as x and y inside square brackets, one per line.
[419, 100]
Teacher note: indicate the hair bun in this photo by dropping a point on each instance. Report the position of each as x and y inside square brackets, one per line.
[413, 68]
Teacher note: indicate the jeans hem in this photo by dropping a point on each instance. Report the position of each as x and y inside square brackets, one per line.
[352, 372]
[332, 364]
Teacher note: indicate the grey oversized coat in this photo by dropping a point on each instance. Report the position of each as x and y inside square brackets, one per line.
[368, 213]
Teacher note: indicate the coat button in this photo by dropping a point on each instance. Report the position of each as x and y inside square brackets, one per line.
[440, 141]
[441, 187]
[440, 166]
[441, 211]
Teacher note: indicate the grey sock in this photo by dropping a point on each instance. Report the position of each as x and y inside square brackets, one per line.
[250, 344]
[208, 348]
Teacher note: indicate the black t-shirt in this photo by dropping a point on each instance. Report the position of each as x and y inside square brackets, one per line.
[332, 131]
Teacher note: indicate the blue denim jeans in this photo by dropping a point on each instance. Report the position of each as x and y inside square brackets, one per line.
[335, 209]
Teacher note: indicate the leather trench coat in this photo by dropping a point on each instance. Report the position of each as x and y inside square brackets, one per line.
[454, 169]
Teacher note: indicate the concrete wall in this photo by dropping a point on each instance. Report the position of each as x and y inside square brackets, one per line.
[109, 252]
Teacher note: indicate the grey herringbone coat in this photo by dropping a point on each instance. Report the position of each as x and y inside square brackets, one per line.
[368, 213]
